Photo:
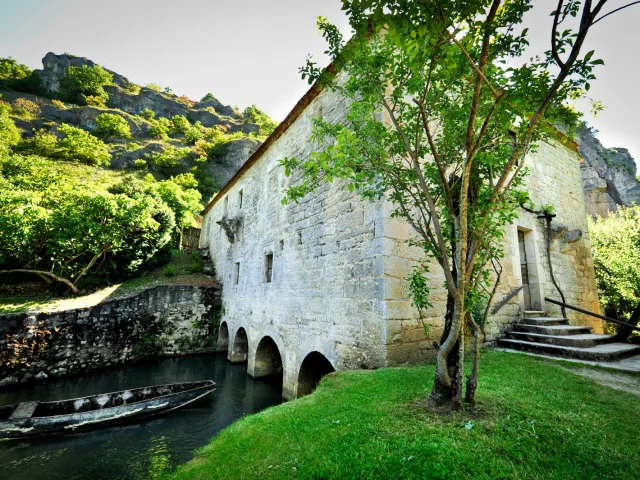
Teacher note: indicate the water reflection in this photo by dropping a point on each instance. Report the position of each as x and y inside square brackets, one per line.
[139, 450]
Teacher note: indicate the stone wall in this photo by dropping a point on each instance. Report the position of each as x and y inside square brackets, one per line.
[325, 255]
[164, 320]
[554, 179]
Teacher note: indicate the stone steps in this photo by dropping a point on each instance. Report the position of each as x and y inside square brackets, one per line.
[604, 352]
[578, 340]
[563, 329]
[537, 333]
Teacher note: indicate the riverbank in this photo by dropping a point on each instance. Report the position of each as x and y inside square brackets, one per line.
[534, 420]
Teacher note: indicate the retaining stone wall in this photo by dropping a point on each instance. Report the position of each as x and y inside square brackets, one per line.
[164, 320]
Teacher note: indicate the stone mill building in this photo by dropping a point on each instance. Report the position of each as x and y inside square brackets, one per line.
[320, 285]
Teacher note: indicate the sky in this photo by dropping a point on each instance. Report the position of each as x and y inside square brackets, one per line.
[249, 51]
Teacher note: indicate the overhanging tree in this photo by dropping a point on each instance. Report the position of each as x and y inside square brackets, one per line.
[435, 92]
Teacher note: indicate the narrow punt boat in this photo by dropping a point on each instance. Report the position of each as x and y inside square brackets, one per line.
[28, 419]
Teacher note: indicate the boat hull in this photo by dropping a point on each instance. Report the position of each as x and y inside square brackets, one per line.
[100, 418]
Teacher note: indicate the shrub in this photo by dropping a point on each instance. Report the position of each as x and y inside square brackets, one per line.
[180, 124]
[133, 146]
[194, 134]
[112, 126]
[171, 157]
[183, 99]
[253, 114]
[78, 83]
[160, 128]
[140, 164]
[155, 87]
[12, 70]
[186, 180]
[24, 106]
[170, 271]
[43, 143]
[131, 88]
[9, 133]
[148, 114]
[95, 101]
[615, 243]
[58, 104]
[209, 97]
[80, 145]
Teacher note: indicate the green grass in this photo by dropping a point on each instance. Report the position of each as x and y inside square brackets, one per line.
[183, 265]
[534, 421]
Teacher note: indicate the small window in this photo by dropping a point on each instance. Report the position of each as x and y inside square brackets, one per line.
[268, 267]
[236, 273]
[281, 243]
[299, 238]
[240, 199]
[226, 206]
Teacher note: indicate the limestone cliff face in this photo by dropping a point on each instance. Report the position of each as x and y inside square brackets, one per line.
[608, 176]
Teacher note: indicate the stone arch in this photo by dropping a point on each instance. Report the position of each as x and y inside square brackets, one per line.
[267, 360]
[314, 366]
[240, 349]
[223, 338]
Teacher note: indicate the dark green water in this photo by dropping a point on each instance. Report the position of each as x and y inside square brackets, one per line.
[138, 450]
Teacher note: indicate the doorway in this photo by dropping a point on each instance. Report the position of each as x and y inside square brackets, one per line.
[529, 271]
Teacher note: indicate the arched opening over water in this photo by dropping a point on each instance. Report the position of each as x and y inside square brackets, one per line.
[240, 350]
[313, 368]
[268, 359]
[223, 338]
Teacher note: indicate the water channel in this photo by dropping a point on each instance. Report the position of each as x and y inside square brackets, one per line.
[142, 449]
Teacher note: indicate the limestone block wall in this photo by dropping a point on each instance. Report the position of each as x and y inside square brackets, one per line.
[165, 320]
[554, 179]
[324, 254]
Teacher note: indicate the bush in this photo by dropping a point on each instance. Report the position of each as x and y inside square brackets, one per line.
[155, 87]
[170, 271]
[180, 124]
[80, 145]
[9, 133]
[171, 157]
[253, 114]
[185, 180]
[78, 83]
[183, 99]
[615, 243]
[195, 133]
[95, 101]
[58, 104]
[140, 164]
[148, 114]
[24, 106]
[19, 76]
[131, 88]
[160, 128]
[43, 143]
[133, 146]
[112, 126]
[209, 97]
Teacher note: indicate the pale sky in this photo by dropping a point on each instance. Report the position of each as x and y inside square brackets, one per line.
[249, 51]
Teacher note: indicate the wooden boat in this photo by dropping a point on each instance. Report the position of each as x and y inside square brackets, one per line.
[28, 419]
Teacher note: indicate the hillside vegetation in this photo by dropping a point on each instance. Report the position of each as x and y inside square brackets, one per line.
[98, 175]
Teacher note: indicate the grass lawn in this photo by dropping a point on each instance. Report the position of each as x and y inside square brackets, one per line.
[181, 268]
[534, 421]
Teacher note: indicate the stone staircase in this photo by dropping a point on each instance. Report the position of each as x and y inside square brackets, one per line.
[554, 336]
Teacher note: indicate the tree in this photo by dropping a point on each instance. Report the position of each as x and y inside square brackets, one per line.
[615, 243]
[253, 114]
[77, 83]
[438, 75]
[9, 133]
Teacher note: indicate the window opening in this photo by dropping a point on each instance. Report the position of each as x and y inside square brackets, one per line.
[268, 266]
[240, 199]
[236, 273]
[226, 206]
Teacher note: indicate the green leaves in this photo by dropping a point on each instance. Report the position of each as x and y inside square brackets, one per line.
[77, 83]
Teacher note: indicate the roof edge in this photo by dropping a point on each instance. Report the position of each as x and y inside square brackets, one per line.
[293, 115]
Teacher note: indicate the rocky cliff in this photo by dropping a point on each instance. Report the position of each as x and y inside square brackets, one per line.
[608, 175]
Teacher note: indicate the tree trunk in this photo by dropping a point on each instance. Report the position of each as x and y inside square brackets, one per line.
[442, 395]
[68, 283]
[472, 380]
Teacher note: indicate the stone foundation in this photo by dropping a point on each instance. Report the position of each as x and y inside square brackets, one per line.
[165, 320]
